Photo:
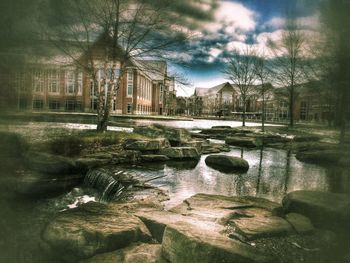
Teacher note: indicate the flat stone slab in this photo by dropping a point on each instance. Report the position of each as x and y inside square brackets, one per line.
[227, 163]
[241, 141]
[254, 223]
[154, 158]
[146, 145]
[181, 153]
[157, 221]
[136, 253]
[187, 243]
[300, 223]
[49, 163]
[328, 210]
[93, 228]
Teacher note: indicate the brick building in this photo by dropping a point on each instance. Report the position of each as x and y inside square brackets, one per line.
[52, 81]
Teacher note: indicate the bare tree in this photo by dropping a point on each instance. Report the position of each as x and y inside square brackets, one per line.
[108, 35]
[263, 73]
[288, 62]
[336, 53]
[241, 70]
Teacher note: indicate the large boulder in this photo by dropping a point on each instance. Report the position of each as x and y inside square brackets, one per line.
[126, 156]
[193, 143]
[219, 132]
[151, 145]
[242, 141]
[300, 223]
[306, 138]
[154, 158]
[253, 223]
[135, 253]
[93, 228]
[226, 163]
[181, 153]
[208, 148]
[188, 243]
[49, 163]
[326, 210]
[12, 145]
[175, 136]
[325, 157]
[37, 184]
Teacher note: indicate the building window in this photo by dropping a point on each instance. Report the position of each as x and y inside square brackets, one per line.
[303, 110]
[70, 82]
[73, 105]
[38, 81]
[161, 94]
[80, 82]
[54, 105]
[53, 81]
[38, 104]
[129, 108]
[93, 103]
[130, 85]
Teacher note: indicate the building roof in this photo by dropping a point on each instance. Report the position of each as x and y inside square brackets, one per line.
[200, 92]
[154, 69]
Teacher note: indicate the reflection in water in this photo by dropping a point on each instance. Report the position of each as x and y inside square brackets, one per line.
[272, 173]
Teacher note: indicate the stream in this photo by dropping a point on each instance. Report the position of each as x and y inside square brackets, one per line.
[271, 175]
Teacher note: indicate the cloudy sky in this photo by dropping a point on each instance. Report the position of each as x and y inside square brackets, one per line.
[234, 24]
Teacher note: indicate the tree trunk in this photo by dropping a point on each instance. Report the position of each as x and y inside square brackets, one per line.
[291, 107]
[263, 113]
[244, 111]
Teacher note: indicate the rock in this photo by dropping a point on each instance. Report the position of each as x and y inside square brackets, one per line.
[241, 141]
[200, 136]
[214, 208]
[326, 210]
[93, 228]
[86, 163]
[45, 185]
[187, 243]
[157, 221]
[209, 148]
[174, 135]
[254, 223]
[272, 139]
[12, 145]
[221, 127]
[311, 146]
[306, 138]
[154, 158]
[146, 145]
[136, 253]
[181, 153]
[149, 131]
[127, 156]
[227, 163]
[320, 157]
[195, 144]
[48, 163]
[220, 132]
[300, 223]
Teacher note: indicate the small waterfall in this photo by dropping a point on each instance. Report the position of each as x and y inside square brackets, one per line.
[103, 181]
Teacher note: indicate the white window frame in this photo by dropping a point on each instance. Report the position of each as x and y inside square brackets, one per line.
[54, 81]
[70, 82]
[38, 81]
[130, 84]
